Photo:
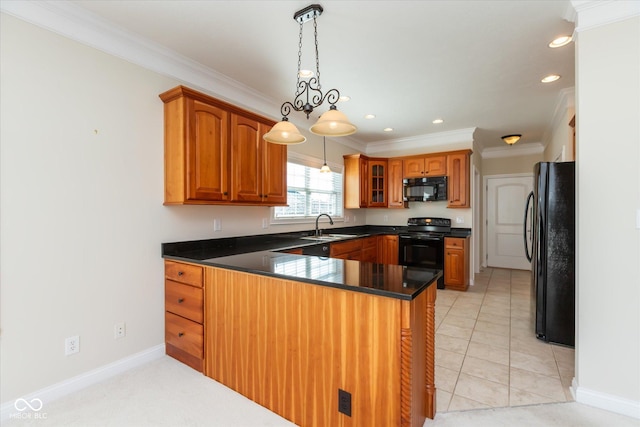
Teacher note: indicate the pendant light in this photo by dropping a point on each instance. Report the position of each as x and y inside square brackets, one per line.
[309, 95]
[325, 168]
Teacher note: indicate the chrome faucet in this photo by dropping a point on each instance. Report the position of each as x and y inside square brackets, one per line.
[318, 232]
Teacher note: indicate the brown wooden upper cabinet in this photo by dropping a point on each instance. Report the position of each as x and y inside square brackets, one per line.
[377, 182]
[458, 181]
[215, 154]
[417, 167]
[256, 164]
[369, 184]
[395, 193]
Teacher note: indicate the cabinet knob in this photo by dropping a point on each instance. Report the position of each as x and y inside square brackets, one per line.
[180, 300]
[225, 193]
[180, 273]
[180, 334]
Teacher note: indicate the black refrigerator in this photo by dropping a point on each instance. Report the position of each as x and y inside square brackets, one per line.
[549, 227]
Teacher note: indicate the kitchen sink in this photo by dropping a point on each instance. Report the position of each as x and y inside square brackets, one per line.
[330, 237]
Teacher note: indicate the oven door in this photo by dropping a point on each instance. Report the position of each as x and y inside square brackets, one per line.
[423, 252]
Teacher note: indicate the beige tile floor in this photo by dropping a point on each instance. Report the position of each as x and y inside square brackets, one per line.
[486, 353]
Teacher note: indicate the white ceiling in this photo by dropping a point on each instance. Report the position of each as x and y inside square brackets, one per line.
[475, 64]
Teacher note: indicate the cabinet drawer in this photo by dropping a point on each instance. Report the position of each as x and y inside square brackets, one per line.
[453, 242]
[345, 247]
[183, 300]
[184, 334]
[183, 273]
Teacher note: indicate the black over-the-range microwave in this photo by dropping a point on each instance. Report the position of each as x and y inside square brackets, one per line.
[428, 189]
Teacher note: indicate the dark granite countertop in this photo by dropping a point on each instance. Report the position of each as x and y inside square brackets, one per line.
[211, 248]
[257, 254]
[394, 281]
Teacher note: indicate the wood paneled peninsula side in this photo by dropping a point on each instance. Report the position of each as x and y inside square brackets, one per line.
[291, 332]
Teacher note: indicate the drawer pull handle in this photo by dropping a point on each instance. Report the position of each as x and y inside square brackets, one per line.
[180, 300]
[180, 334]
[180, 273]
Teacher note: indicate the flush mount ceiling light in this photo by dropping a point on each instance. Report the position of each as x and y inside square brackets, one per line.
[550, 78]
[309, 96]
[561, 41]
[437, 121]
[511, 139]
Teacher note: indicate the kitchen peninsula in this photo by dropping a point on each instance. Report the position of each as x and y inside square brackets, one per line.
[320, 341]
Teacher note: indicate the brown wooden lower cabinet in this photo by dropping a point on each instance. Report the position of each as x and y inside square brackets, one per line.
[183, 300]
[456, 263]
[290, 346]
[388, 246]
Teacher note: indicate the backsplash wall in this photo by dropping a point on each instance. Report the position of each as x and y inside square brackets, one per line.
[417, 209]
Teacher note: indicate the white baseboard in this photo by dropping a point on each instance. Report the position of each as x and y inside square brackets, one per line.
[63, 388]
[605, 401]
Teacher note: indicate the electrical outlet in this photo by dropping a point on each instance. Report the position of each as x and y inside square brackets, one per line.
[354, 218]
[344, 402]
[71, 345]
[386, 218]
[120, 330]
[347, 218]
[216, 225]
[265, 222]
[459, 220]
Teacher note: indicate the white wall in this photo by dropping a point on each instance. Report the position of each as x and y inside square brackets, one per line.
[608, 165]
[559, 148]
[81, 214]
[510, 165]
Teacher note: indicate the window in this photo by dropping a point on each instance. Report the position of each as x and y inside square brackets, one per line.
[309, 192]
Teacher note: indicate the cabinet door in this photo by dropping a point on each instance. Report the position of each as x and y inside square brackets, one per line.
[435, 165]
[207, 152]
[458, 182]
[388, 247]
[246, 162]
[454, 267]
[274, 183]
[377, 184]
[369, 249]
[364, 182]
[395, 195]
[413, 168]
[355, 179]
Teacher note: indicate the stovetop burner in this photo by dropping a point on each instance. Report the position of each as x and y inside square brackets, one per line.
[429, 227]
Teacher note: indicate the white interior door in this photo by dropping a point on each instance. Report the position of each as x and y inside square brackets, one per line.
[506, 198]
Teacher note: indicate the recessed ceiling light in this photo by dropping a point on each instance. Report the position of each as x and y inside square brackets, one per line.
[550, 78]
[345, 98]
[369, 116]
[387, 129]
[305, 74]
[561, 41]
[437, 121]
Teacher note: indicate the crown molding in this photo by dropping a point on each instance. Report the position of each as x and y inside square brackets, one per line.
[82, 26]
[422, 141]
[596, 13]
[513, 151]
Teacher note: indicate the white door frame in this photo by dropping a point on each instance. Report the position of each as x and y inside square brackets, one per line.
[485, 222]
[476, 222]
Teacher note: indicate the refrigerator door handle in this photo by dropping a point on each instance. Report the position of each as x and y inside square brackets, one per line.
[526, 215]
